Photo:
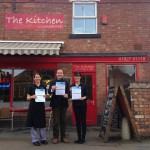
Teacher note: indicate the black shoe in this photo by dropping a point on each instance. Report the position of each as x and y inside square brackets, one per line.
[44, 142]
[36, 143]
[78, 141]
[82, 141]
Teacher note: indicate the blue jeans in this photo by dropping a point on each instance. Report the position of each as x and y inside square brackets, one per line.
[34, 134]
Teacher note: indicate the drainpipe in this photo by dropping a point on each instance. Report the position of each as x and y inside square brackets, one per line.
[14, 4]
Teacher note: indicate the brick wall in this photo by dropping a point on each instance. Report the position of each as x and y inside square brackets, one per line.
[140, 103]
[127, 29]
[100, 87]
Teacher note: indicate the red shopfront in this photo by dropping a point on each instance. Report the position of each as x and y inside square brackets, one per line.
[17, 75]
[88, 76]
[97, 72]
[21, 70]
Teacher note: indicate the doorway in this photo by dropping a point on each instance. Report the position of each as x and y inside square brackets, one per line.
[90, 80]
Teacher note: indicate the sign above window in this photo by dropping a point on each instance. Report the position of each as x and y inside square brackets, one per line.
[84, 67]
[34, 21]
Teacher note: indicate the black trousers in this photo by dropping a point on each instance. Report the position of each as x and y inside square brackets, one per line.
[80, 117]
[59, 122]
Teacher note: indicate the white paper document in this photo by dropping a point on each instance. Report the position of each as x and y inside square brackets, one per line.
[76, 92]
[60, 88]
[40, 95]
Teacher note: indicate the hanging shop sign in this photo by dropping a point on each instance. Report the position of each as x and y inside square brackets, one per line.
[34, 21]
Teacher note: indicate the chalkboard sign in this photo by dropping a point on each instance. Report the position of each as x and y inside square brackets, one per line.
[108, 112]
[115, 119]
[116, 95]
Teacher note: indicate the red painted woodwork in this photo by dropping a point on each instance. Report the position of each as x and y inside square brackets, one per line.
[91, 103]
[29, 61]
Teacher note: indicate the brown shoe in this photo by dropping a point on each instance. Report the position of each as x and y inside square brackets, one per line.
[55, 141]
[65, 140]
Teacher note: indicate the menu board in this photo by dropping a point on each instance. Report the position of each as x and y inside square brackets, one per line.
[108, 113]
[107, 110]
[116, 95]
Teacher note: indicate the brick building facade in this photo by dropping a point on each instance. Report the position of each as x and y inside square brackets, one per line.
[140, 105]
[116, 48]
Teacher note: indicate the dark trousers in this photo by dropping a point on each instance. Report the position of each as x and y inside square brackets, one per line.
[80, 116]
[59, 122]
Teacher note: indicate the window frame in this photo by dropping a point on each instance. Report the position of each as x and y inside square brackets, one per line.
[84, 17]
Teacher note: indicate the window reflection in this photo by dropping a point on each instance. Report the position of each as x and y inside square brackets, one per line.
[23, 79]
[79, 10]
[87, 79]
[47, 76]
[84, 25]
[90, 10]
[79, 25]
[121, 74]
[90, 25]
[84, 10]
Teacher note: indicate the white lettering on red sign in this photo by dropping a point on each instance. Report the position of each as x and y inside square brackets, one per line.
[38, 21]
[132, 59]
[46, 20]
[14, 20]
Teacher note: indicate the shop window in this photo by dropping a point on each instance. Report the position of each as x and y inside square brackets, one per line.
[121, 74]
[19, 81]
[84, 18]
[5, 87]
[47, 76]
[23, 79]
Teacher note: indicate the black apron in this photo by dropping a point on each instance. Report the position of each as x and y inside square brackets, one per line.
[36, 113]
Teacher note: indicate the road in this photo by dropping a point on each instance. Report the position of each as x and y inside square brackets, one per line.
[21, 140]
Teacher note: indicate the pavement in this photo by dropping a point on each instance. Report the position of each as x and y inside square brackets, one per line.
[20, 139]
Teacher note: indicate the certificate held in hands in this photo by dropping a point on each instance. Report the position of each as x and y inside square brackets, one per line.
[76, 92]
[40, 95]
[60, 88]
